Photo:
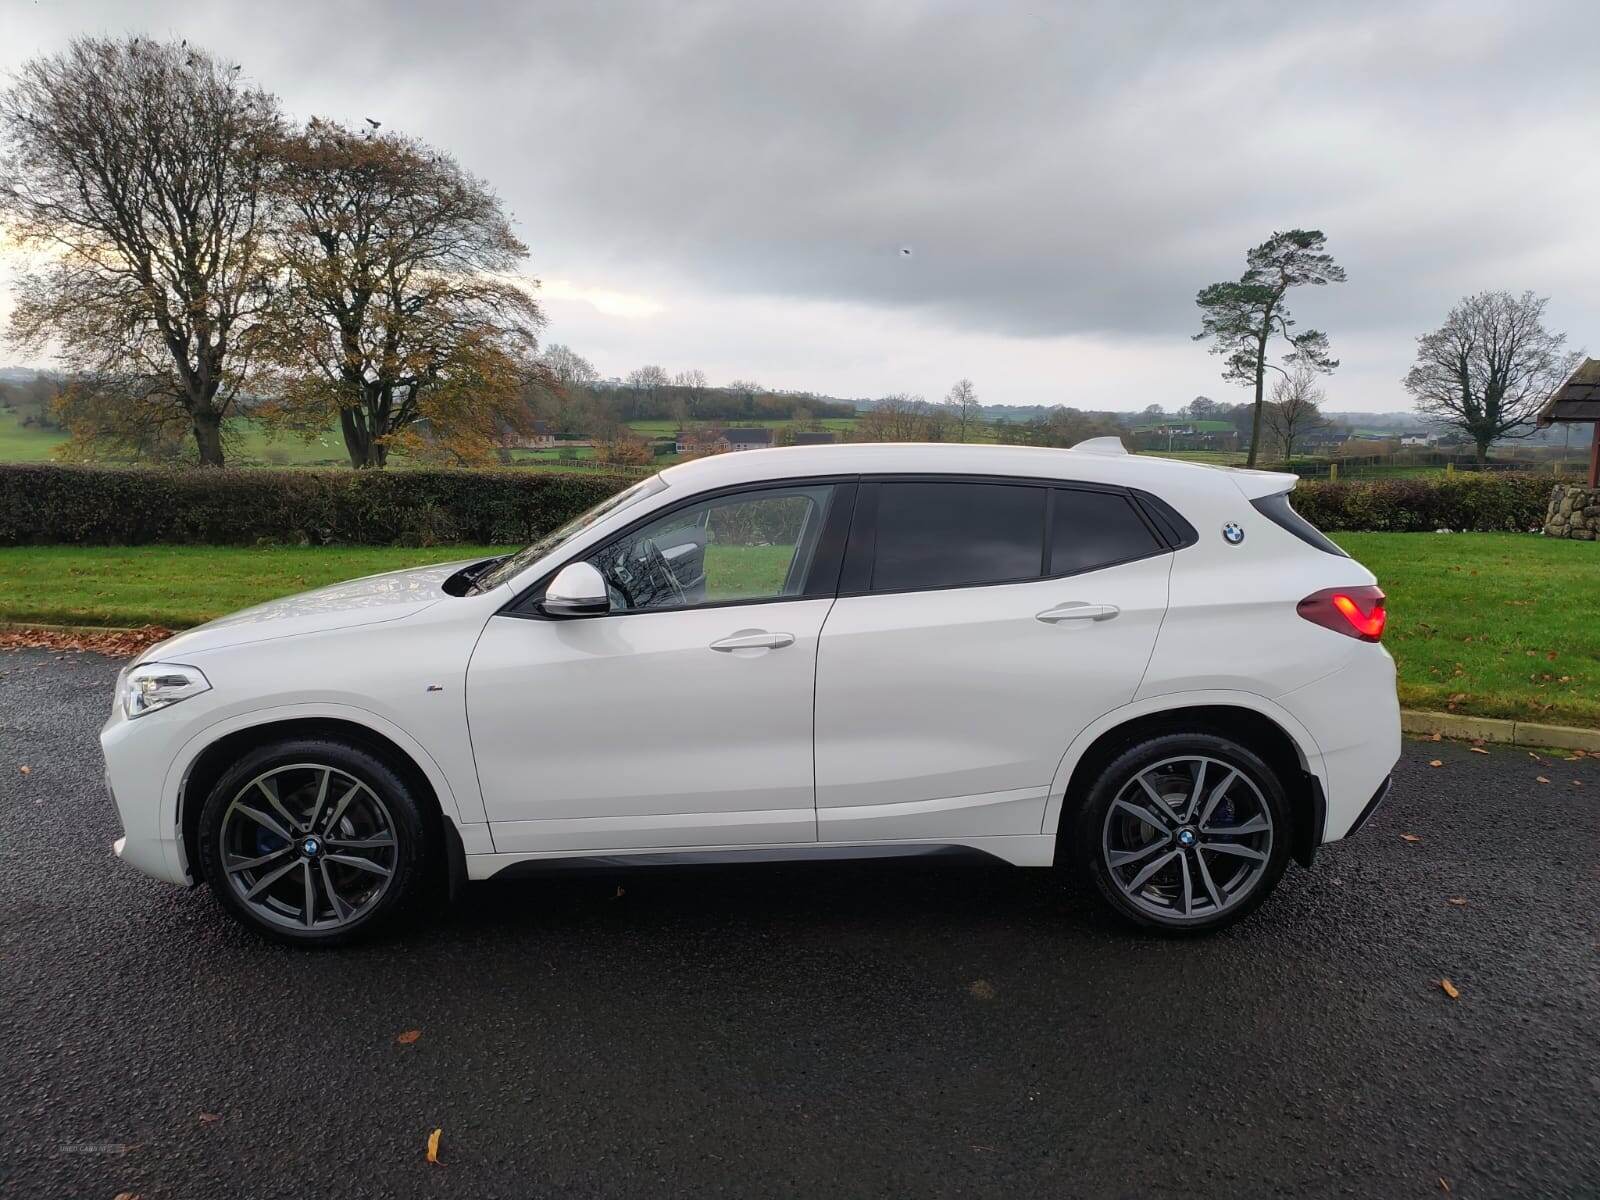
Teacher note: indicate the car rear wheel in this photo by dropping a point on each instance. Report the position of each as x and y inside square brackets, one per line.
[312, 841]
[1184, 833]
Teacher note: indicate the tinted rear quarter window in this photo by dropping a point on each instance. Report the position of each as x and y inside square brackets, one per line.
[1096, 529]
[1280, 512]
[932, 535]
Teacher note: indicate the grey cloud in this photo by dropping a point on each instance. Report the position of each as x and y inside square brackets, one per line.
[1059, 169]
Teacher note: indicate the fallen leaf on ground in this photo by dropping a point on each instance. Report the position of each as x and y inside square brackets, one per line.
[118, 643]
[1540, 779]
[210, 1118]
[1443, 1184]
[1438, 762]
[981, 989]
[1479, 750]
[433, 1145]
[1458, 901]
[1409, 837]
[26, 770]
[127, 1196]
[1435, 737]
[1450, 989]
[409, 1036]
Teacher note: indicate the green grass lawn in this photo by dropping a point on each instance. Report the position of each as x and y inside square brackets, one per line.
[1492, 624]
[176, 586]
[1498, 625]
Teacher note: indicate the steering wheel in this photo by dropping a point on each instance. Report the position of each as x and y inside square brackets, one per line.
[658, 573]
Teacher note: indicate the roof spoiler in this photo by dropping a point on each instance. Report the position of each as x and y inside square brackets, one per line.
[1258, 484]
[1101, 445]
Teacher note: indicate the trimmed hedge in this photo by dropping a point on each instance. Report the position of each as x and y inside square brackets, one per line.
[1508, 502]
[136, 506]
[123, 506]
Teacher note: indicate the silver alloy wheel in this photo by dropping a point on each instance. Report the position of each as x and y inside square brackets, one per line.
[308, 847]
[1187, 838]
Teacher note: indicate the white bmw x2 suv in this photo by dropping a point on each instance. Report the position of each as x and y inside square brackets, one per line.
[1156, 672]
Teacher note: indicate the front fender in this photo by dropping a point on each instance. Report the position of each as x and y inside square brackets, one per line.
[471, 826]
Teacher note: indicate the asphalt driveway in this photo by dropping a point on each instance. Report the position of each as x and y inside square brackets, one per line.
[816, 1031]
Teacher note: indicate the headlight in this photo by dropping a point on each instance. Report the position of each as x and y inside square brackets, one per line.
[154, 685]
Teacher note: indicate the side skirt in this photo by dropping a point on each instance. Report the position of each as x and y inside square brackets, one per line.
[1022, 850]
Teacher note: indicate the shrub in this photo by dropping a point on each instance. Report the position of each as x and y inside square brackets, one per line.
[1508, 502]
[120, 506]
[135, 506]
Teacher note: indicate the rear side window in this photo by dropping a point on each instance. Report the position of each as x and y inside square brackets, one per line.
[932, 535]
[1096, 529]
[1278, 510]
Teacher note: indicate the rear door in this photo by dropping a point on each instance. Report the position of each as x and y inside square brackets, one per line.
[981, 624]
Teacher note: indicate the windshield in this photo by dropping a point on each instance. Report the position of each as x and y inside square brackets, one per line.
[508, 568]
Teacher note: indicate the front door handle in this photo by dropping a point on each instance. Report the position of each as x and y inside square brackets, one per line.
[758, 640]
[1077, 610]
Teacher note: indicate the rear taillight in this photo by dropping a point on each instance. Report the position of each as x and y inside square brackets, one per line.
[1356, 612]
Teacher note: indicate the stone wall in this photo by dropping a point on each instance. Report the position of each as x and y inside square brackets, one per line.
[1574, 512]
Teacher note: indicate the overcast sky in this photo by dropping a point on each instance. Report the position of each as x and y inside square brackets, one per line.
[729, 186]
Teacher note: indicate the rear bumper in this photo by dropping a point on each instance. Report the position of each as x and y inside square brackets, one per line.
[1354, 716]
[1365, 814]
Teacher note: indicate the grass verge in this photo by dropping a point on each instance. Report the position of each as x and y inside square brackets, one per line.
[1493, 625]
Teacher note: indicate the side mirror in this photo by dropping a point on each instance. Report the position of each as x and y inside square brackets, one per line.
[578, 590]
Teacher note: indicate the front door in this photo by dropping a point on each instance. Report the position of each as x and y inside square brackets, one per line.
[681, 718]
[991, 622]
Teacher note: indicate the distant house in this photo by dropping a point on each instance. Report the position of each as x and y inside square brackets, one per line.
[758, 438]
[699, 441]
[1420, 439]
[541, 436]
[825, 438]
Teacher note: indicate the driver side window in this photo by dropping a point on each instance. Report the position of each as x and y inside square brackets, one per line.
[747, 546]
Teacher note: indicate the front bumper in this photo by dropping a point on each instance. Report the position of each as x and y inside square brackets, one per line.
[138, 756]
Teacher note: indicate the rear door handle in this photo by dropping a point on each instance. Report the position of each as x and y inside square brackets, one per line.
[1077, 610]
[760, 640]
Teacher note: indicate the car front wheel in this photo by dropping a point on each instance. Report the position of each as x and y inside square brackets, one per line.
[312, 841]
[1184, 833]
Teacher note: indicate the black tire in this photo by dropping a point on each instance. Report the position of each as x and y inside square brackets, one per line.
[1098, 834]
[315, 858]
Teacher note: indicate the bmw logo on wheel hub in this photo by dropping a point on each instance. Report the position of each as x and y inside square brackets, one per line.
[1186, 838]
[310, 847]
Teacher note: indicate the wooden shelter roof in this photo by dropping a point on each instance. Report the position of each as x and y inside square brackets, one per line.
[1578, 399]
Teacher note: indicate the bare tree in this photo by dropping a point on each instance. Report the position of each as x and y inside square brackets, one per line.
[138, 167]
[1489, 367]
[648, 380]
[398, 317]
[1295, 409]
[567, 367]
[962, 402]
[896, 418]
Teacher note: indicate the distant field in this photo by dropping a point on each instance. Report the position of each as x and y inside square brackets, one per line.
[19, 444]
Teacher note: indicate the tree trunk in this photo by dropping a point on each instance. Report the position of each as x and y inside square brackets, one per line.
[1261, 371]
[208, 437]
[1483, 453]
[355, 436]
